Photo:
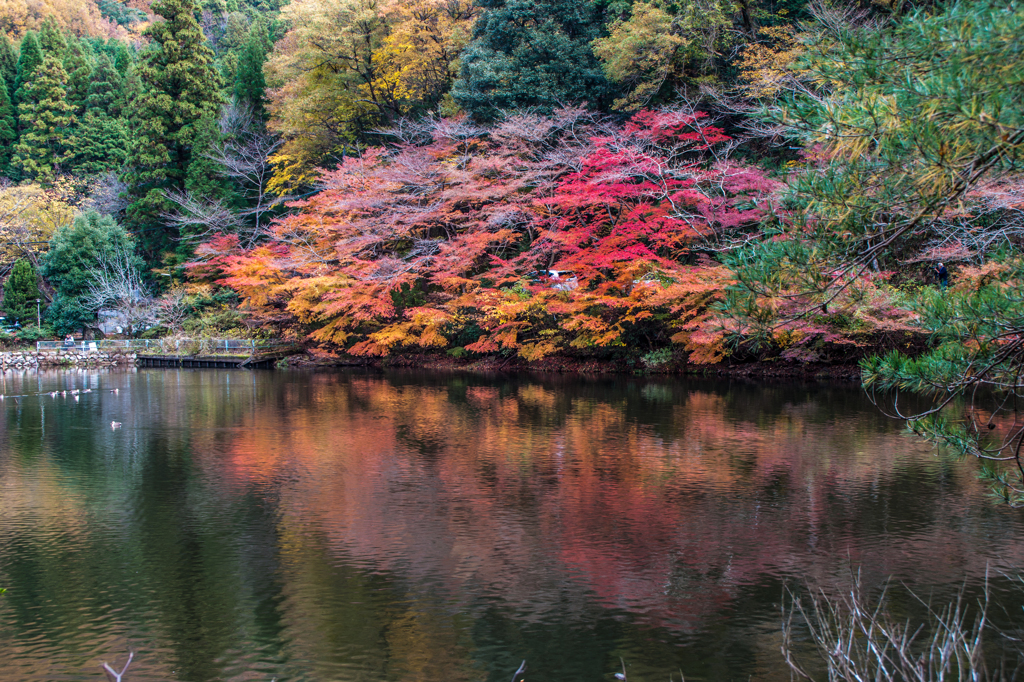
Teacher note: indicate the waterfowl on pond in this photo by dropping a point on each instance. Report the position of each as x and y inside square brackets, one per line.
[115, 425]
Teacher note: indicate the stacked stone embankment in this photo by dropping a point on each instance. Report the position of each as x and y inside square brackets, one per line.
[66, 357]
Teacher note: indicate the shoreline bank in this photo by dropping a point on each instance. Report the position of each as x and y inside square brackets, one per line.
[754, 369]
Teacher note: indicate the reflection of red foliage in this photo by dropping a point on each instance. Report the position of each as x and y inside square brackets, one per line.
[552, 503]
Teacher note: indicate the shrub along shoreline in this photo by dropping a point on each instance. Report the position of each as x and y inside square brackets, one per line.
[835, 361]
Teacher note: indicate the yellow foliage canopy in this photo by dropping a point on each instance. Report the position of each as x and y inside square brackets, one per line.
[347, 66]
[29, 216]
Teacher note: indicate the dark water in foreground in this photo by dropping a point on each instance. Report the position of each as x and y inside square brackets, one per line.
[346, 526]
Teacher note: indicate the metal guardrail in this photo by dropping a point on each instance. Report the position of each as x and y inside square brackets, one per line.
[169, 346]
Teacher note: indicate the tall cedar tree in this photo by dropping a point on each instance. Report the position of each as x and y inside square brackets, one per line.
[79, 65]
[123, 59]
[102, 134]
[8, 63]
[100, 143]
[250, 84]
[106, 88]
[8, 129]
[47, 121]
[20, 293]
[531, 53]
[52, 39]
[177, 87]
[30, 58]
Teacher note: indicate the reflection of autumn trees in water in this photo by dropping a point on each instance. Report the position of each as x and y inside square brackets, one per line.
[415, 526]
[664, 500]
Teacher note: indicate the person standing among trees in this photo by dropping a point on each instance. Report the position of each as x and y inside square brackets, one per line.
[943, 275]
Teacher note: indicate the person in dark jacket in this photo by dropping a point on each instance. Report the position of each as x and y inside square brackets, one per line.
[943, 275]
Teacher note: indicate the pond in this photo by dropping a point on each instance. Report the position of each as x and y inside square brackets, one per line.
[348, 525]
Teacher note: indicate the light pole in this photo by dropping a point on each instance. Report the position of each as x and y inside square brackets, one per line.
[39, 320]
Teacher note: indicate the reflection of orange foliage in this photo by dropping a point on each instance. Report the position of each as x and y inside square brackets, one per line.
[667, 516]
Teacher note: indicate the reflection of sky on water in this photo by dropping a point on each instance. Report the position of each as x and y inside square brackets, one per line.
[246, 525]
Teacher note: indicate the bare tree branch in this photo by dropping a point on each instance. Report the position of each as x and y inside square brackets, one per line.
[117, 285]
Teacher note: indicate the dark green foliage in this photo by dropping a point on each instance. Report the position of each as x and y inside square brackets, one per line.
[906, 135]
[67, 315]
[236, 31]
[101, 139]
[8, 129]
[528, 53]
[917, 115]
[177, 88]
[20, 293]
[105, 93]
[101, 143]
[30, 58]
[51, 39]
[123, 59]
[202, 178]
[74, 252]
[250, 84]
[46, 123]
[120, 13]
[78, 64]
[8, 63]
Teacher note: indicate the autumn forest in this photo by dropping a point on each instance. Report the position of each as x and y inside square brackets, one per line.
[618, 188]
[645, 182]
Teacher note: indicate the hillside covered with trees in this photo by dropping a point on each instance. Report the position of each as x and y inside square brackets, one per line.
[650, 181]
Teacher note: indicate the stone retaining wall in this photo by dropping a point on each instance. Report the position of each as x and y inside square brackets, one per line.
[70, 357]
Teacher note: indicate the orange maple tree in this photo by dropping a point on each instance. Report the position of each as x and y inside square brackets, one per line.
[536, 236]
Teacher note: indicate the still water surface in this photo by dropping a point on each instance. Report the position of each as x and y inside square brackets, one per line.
[439, 527]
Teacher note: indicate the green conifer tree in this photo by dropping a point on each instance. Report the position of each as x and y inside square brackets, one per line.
[73, 256]
[51, 38]
[202, 178]
[101, 143]
[30, 58]
[20, 293]
[250, 84]
[178, 87]
[79, 67]
[531, 53]
[8, 63]
[46, 121]
[122, 59]
[8, 129]
[106, 88]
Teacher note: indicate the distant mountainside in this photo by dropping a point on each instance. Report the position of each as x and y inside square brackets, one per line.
[98, 18]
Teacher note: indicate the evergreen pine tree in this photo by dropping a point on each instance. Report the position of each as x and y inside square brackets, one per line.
[106, 88]
[250, 84]
[178, 86]
[46, 123]
[8, 63]
[20, 293]
[30, 58]
[530, 53]
[78, 64]
[68, 266]
[51, 38]
[101, 143]
[8, 129]
[122, 59]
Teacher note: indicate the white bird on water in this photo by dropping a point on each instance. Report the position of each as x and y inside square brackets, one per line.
[115, 425]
